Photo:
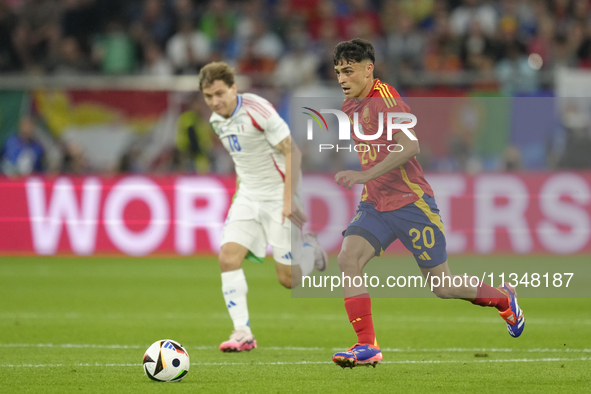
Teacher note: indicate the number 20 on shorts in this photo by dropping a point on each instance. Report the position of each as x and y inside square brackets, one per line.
[428, 237]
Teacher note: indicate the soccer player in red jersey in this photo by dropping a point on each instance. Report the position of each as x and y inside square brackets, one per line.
[397, 203]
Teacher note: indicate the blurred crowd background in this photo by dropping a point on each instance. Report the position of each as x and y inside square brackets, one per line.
[505, 48]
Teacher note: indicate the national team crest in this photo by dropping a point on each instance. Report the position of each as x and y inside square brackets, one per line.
[365, 114]
[356, 217]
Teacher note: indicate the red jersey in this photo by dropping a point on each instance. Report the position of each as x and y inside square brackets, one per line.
[401, 186]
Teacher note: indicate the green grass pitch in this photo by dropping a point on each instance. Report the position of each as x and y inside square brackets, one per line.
[74, 324]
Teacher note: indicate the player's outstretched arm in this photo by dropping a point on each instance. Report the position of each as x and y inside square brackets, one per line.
[293, 163]
[410, 148]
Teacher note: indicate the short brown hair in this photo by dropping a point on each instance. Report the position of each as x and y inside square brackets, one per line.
[216, 71]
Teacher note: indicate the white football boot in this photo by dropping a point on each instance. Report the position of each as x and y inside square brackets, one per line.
[320, 256]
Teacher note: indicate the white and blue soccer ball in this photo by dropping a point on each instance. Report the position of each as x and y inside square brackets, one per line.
[166, 361]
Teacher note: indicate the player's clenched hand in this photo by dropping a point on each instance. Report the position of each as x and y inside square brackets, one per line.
[349, 178]
[293, 213]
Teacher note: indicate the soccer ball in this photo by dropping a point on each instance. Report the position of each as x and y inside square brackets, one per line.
[166, 361]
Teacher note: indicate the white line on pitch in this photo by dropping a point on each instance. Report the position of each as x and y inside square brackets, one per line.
[395, 319]
[298, 348]
[517, 360]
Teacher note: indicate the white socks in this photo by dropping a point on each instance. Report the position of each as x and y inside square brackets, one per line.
[234, 288]
[306, 262]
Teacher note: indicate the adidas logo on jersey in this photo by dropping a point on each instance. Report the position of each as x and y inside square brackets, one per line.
[287, 256]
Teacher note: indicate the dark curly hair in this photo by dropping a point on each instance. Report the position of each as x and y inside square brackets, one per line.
[355, 50]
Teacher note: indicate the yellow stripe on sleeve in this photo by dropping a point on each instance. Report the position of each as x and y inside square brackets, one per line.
[385, 97]
[388, 94]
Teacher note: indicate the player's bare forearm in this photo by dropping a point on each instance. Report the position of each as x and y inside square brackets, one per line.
[410, 149]
[287, 193]
[293, 164]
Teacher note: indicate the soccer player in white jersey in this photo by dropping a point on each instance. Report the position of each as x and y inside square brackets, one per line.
[267, 208]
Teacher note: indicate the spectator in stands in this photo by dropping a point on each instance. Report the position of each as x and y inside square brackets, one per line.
[575, 44]
[218, 17]
[115, 52]
[522, 12]
[79, 20]
[441, 56]
[322, 19]
[324, 48]
[183, 9]
[473, 46]
[154, 22]
[189, 49]
[225, 47]
[473, 11]
[563, 53]
[265, 43]
[360, 12]
[543, 41]
[420, 11]
[251, 14]
[218, 23]
[22, 154]
[71, 60]
[560, 13]
[511, 159]
[8, 56]
[584, 49]
[260, 54]
[508, 38]
[282, 17]
[258, 69]
[298, 67]
[405, 45]
[73, 160]
[581, 11]
[193, 142]
[577, 126]
[155, 63]
[515, 74]
[37, 34]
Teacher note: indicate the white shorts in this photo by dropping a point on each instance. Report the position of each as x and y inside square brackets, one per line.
[256, 224]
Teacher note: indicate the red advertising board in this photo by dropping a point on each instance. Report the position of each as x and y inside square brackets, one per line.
[547, 212]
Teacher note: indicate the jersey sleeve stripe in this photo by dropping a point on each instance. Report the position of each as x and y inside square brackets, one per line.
[389, 93]
[383, 94]
[277, 167]
[254, 123]
[387, 99]
[388, 104]
[258, 107]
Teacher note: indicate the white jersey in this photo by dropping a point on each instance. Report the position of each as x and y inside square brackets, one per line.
[250, 135]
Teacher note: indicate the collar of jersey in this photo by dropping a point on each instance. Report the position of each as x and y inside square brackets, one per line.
[363, 101]
[238, 105]
[220, 118]
[376, 86]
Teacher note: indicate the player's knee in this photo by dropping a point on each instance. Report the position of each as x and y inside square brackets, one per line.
[347, 261]
[228, 261]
